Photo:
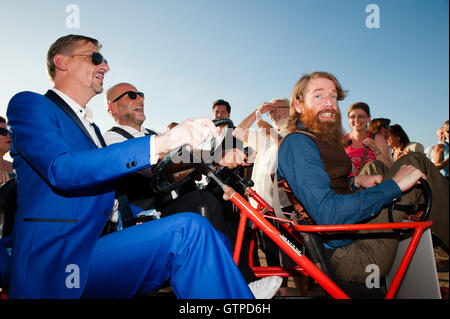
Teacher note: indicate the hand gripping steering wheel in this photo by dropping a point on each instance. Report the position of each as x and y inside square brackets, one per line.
[199, 166]
[414, 209]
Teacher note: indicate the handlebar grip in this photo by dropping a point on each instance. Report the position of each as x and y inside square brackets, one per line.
[428, 198]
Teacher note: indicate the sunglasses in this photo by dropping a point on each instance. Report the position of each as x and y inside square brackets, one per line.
[3, 131]
[97, 58]
[131, 94]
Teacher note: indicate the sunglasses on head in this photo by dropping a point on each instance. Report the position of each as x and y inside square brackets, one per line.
[97, 58]
[3, 131]
[131, 94]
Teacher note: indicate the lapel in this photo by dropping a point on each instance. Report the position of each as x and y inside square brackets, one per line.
[68, 110]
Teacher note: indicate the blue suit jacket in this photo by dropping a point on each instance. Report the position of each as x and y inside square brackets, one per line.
[65, 194]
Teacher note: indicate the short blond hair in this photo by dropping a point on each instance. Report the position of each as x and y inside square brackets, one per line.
[65, 45]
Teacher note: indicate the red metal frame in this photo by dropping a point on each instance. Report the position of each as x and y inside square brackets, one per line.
[306, 267]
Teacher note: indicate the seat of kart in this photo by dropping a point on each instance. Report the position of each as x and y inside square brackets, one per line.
[420, 281]
[320, 256]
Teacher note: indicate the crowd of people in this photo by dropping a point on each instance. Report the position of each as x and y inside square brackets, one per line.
[85, 198]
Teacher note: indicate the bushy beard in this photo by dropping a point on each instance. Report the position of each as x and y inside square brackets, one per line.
[281, 126]
[330, 132]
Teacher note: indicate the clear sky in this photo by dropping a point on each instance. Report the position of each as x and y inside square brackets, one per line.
[184, 54]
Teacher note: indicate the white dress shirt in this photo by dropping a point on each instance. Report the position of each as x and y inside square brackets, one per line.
[264, 166]
[112, 137]
[85, 115]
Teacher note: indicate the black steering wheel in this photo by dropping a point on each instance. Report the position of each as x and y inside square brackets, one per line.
[160, 168]
[414, 209]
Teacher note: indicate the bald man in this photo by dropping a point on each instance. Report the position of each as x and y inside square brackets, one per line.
[126, 105]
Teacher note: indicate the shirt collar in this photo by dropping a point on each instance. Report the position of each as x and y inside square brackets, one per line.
[132, 130]
[81, 112]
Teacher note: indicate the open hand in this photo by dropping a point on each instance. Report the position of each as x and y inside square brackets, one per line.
[191, 132]
[266, 107]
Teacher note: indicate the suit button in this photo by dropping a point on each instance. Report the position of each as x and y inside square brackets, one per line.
[105, 212]
[133, 163]
[128, 165]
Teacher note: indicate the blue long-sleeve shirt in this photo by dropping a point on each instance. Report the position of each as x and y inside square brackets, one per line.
[300, 164]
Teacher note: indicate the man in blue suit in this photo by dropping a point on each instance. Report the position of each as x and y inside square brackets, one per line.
[65, 178]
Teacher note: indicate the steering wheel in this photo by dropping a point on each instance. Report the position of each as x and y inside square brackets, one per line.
[412, 209]
[159, 169]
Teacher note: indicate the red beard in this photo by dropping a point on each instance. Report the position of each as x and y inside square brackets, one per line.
[330, 132]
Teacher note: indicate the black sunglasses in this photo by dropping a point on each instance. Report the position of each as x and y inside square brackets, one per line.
[3, 131]
[131, 94]
[97, 58]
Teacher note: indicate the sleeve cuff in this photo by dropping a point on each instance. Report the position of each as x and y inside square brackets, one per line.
[391, 191]
[153, 157]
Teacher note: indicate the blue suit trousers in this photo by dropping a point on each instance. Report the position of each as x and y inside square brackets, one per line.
[183, 248]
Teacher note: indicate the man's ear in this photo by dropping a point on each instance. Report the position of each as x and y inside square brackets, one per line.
[298, 106]
[60, 62]
[111, 108]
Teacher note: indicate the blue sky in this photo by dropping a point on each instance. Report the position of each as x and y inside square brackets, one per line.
[184, 54]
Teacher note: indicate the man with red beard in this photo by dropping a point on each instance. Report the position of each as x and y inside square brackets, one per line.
[312, 160]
